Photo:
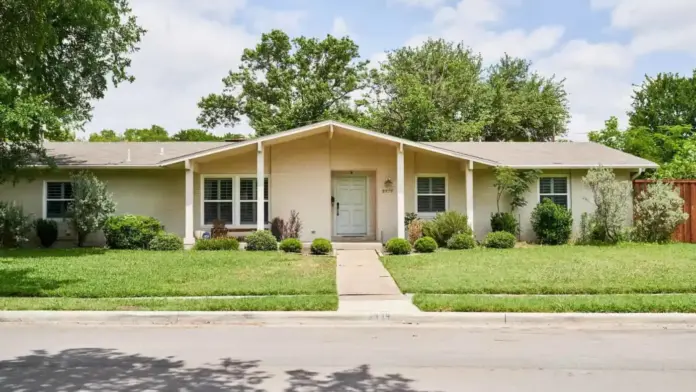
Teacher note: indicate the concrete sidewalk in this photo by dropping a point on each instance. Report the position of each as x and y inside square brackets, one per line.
[364, 285]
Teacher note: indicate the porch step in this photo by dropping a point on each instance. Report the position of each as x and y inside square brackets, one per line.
[357, 246]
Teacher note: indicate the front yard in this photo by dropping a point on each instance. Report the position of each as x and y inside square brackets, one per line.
[107, 279]
[547, 279]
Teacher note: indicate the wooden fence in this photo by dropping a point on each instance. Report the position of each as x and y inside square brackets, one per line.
[686, 232]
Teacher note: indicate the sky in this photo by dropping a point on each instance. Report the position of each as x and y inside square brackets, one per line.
[602, 48]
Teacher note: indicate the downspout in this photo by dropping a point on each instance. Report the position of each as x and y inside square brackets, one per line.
[640, 171]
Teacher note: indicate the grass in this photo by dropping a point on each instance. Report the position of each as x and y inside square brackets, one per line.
[628, 268]
[614, 303]
[98, 273]
[280, 303]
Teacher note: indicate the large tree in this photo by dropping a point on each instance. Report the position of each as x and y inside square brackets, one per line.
[666, 100]
[284, 83]
[56, 58]
[440, 91]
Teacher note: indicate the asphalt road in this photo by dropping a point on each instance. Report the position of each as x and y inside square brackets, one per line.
[357, 359]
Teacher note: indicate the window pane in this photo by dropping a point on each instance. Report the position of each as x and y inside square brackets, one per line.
[54, 190]
[211, 189]
[431, 185]
[247, 213]
[423, 185]
[545, 185]
[560, 185]
[217, 189]
[265, 189]
[561, 200]
[217, 211]
[247, 189]
[56, 209]
[438, 185]
[67, 190]
[225, 187]
[431, 204]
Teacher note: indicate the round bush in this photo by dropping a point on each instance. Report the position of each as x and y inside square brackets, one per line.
[291, 245]
[166, 241]
[47, 231]
[398, 246]
[504, 221]
[500, 240]
[261, 241]
[131, 231]
[217, 244]
[425, 245]
[552, 223]
[461, 241]
[321, 246]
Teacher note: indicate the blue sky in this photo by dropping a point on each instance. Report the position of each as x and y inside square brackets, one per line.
[601, 47]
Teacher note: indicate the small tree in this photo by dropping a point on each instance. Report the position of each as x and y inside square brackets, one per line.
[610, 198]
[514, 183]
[658, 212]
[91, 206]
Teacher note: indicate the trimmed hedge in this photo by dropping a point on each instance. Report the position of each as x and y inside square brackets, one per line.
[461, 241]
[321, 246]
[500, 240]
[166, 241]
[425, 245]
[131, 231]
[261, 241]
[398, 246]
[217, 244]
[291, 245]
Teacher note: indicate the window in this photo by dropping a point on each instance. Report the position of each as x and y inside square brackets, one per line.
[554, 188]
[218, 203]
[431, 194]
[232, 200]
[59, 195]
[247, 200]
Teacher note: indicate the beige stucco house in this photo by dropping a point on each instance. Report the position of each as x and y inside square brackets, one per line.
[347, 183]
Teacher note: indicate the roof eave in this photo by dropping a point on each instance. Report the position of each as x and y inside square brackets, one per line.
[586, 166]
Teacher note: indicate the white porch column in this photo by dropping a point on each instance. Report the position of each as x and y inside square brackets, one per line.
[470, 193]
[189, 239]
[400, 206]
[260, 224]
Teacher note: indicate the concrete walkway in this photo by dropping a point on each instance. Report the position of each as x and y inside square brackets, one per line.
[364, 285]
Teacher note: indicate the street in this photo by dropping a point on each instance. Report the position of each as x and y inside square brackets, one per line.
[355, 359]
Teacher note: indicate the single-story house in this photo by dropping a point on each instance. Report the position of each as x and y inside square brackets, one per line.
[346, 183]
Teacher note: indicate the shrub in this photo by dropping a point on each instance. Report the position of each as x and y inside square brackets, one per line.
[321, 246]
[461, 241]
[91, 206]
[277, 227]
[425, 245]
[47, 231]
[500, 240]
[410, 217]
[552, 223]
[15, 226]
[166, 241]
[445, 225]
[415, 230]
[261, 241]
[504, 221]
[131, 231]
[293, 227]
[398, 246]
[658, 212]
[610, 198]
[217, 244]
[291, 245]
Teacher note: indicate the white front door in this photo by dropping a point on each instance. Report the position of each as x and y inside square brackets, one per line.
[350, 194]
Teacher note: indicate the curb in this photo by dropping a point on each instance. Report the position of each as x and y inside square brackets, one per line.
[347, 319]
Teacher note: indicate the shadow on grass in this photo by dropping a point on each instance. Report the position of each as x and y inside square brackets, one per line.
[96, 369]
[9, 254]
[21, 283]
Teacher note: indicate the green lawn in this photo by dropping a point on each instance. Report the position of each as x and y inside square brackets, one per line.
[98, 273]
[550, 270]
[281, 303]
[601, 303]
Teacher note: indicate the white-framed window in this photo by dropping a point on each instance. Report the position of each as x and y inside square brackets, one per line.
[57, 197]
[555, 188]
[431, 194]
[231, 199]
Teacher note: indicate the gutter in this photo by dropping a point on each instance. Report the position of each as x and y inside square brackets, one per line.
[640, 171]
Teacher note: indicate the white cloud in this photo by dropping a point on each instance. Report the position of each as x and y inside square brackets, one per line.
[264, 19]
[419, 3]
[188, 49]
[340, 28]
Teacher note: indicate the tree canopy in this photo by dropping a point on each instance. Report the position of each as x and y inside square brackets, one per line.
[56, 58]
[157, 133]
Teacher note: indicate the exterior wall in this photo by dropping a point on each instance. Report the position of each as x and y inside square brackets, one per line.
[580, 201]
[158, 193]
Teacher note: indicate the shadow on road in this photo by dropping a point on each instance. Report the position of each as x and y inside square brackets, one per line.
[97, 369]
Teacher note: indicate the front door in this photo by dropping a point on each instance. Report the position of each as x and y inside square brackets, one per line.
[350, 194]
